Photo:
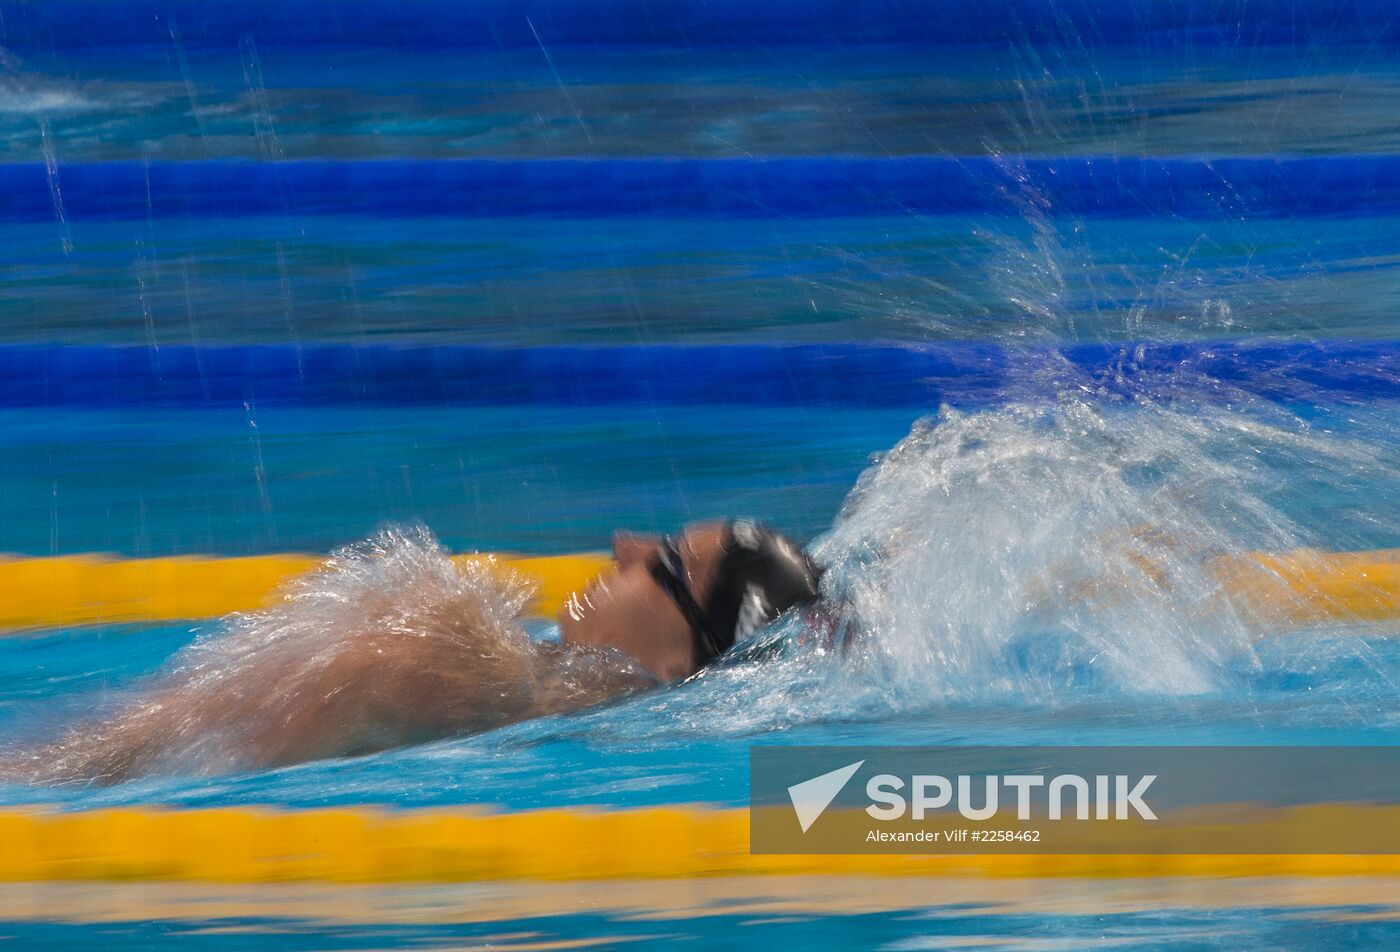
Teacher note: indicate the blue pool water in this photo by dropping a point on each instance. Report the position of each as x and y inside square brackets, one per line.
[960, 300]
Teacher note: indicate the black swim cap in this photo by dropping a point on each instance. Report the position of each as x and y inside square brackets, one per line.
[761, 574]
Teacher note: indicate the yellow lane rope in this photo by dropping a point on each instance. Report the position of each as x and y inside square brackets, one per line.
[370, 846]
[97, 590]
[1307, 586]
[1300, 587]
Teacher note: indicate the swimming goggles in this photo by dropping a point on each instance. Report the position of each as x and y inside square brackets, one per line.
[669, 572]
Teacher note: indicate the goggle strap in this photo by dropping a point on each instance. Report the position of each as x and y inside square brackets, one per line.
[668, 570]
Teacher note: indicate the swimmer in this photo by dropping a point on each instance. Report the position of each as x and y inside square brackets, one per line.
[393, 644]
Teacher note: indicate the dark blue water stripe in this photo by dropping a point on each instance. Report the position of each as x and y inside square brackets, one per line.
[75, 24]
[1350, 185]
[806, 375]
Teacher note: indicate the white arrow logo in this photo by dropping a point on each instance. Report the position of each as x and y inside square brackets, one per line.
[810, 798]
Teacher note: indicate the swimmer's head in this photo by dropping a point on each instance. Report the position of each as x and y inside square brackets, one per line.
[677, 603]
[760, 575]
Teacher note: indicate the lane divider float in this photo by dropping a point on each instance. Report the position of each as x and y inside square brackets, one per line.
[38, 593]
[1292, 588]
[363, 845]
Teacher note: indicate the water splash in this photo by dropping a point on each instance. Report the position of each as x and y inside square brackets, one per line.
[1038, 550]
[357, 654]
[55, 188]
[1002, 565]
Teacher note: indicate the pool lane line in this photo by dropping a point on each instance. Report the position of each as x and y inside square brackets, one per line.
[1356, 899]
[367, 845]
[1291, 589]
[921, 377]
[764, 36]
[100, 590]
[728, 189]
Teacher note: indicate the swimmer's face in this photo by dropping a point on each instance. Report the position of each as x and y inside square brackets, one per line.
[625, 608]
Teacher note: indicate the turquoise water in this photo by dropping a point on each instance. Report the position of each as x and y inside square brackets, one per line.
[269, 188]
[914, 914]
